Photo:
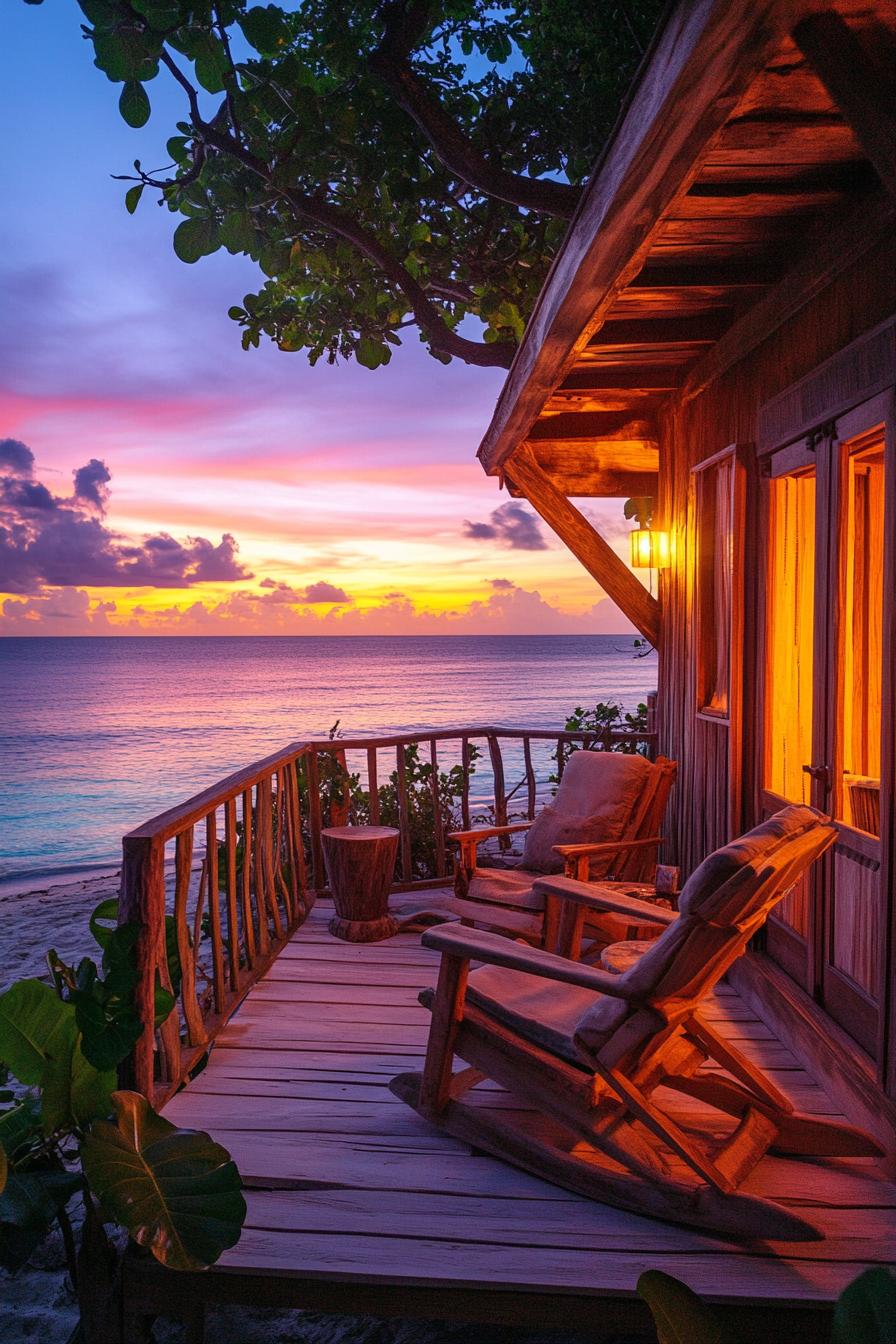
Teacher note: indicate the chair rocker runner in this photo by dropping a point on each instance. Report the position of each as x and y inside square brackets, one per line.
[603, 824]
[604, 1063]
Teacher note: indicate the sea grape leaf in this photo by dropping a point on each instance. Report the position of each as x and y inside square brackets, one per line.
[678, 1313]
[34, 1023]
[176, 1191]
[133, 104]
[866, 1310]
[195, 238]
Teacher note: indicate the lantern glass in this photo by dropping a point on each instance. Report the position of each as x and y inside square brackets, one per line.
[650, 549]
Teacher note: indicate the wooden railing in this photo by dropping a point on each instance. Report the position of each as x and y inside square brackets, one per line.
[219, 883]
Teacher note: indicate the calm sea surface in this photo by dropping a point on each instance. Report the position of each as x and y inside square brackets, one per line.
[97, 735]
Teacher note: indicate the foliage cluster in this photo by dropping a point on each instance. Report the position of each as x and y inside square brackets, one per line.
[386, 163]
[344, 797]
[67, 1134]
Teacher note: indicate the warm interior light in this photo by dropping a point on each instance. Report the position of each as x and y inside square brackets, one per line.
[650, 549]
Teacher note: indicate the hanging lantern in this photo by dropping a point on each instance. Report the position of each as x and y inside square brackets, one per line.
[650, 549]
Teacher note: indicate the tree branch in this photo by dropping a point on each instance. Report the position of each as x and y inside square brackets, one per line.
[403, 27]
[343, 225]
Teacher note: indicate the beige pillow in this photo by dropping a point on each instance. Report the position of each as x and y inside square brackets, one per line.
[553, 827]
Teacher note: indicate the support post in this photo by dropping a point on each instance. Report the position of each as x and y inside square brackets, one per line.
[586, 544]
[142, 902]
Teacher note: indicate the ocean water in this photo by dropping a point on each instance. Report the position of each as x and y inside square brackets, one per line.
[97, 735]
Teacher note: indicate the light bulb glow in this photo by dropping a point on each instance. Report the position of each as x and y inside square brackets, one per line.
[650, 549]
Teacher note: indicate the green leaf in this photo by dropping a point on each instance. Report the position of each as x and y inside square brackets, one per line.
[678, 1313]
[264, 28]
[134, 104]
[195, 238]
[372, 353]
[237, 231]
[34, 1023]
[208, 72]
[132, 197]
[176, 148]
[105, 1013]
[175, 1191]
[4, 1168]
[126, 54]
[866, 1310]
[73, 1091]
[20, 1128]
[104, 918]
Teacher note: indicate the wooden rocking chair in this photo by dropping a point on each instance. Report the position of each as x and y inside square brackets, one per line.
[601, 1059]
[604, 824]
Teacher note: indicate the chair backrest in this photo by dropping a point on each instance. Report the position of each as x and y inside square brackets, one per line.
[723, 904]
[602, 796]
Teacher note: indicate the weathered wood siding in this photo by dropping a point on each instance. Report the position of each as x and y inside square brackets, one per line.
[726, 413]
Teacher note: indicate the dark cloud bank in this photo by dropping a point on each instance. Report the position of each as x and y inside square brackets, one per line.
[511, 525]
[54, 540]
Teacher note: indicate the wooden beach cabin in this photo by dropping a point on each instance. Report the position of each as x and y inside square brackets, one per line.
[718, 332]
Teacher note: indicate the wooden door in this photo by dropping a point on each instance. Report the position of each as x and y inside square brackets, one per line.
[828, 622]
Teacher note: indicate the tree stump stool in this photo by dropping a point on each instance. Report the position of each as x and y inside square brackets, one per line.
[360, 862]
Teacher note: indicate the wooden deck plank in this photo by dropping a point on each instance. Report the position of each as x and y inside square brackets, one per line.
[347, 1185]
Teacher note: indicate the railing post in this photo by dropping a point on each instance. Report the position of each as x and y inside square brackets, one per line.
[142, 902]
[403, 823]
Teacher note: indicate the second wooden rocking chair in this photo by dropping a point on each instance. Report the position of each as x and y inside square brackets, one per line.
[598, 1056]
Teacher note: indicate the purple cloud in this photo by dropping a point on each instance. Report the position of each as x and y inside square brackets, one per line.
[502, 585]
[511, 525]
[91, 483]
[49, 541]
[16, 458]
[324, 592]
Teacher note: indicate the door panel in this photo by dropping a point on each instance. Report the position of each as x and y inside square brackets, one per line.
[823, 699]
[790, 623]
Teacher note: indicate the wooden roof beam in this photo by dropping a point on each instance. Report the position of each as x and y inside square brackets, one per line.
[750, 276]
[589, 378]
[595, 427]
[598, 484]
[833, 246]
[705, 58]
[698, 329]
[585, 542]
[860, 83]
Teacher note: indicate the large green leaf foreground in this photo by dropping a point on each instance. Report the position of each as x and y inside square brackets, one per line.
[175, 1191]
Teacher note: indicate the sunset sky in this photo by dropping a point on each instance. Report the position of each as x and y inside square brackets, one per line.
[155, 478]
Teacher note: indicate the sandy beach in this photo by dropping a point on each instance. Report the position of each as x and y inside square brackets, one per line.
[37, 1303]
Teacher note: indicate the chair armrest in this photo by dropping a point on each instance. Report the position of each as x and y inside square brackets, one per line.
[605, 847]
[494, 948]
[486, 832]
[595, 897]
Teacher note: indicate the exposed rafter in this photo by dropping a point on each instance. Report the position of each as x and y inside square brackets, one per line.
[861, 84]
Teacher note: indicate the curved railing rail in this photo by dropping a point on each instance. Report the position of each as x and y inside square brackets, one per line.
[219, 883]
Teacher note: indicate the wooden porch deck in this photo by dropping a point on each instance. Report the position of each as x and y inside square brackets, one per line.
[357, 1205]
